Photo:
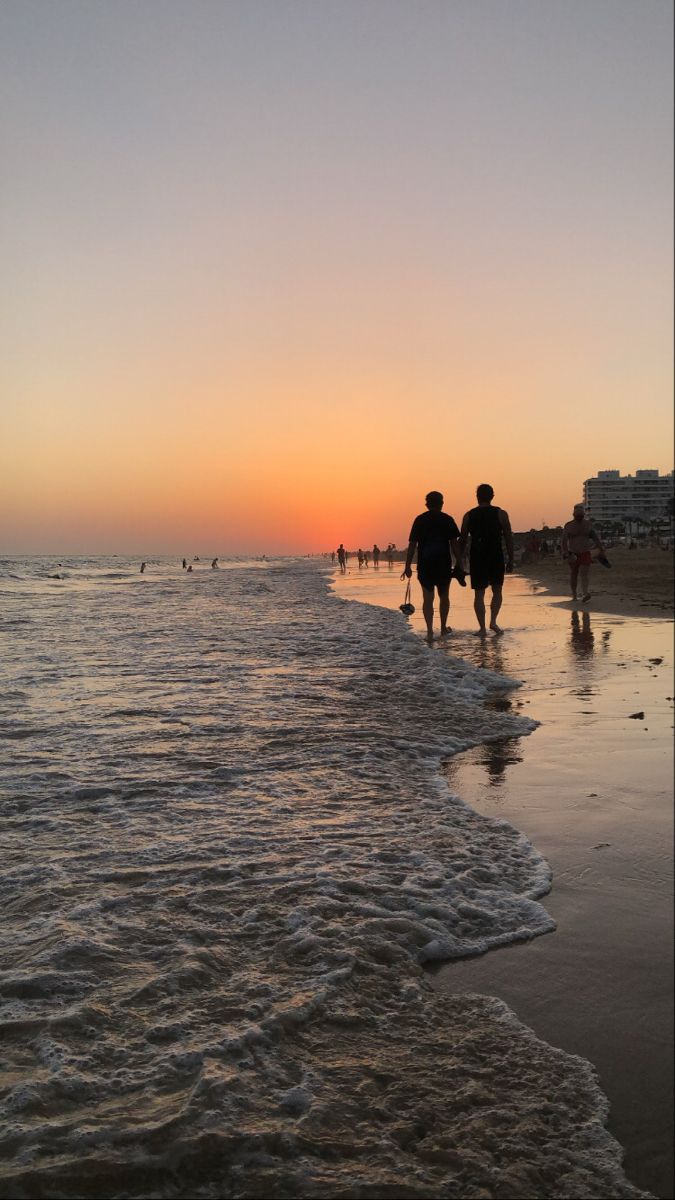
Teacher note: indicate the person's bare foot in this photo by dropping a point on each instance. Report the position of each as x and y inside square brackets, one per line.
[495, 627]
[586, 597]
[446, 631]
[482, 632]
[429, 637]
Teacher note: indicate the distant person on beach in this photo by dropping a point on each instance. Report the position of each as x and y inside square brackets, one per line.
[189, 568]
[366, 557]
[390, 554]
[332, 557]
[435, 536]
[376, 556]
[578, 539]
[142, 567]
[184, 563]
[342, 558]
[359, 555]
[485, 526]
[214, 563]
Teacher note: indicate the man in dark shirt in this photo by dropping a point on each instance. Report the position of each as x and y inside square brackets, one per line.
[486, 525]
[435, 535]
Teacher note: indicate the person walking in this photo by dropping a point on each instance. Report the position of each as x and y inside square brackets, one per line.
[376, 556]
[578, 539]
[342, 558]
[484, 527]
[434, 535]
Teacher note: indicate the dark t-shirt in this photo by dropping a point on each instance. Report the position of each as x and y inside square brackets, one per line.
[432, 532]
[486, 533]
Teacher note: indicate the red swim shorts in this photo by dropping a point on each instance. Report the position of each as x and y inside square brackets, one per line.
[584, 558]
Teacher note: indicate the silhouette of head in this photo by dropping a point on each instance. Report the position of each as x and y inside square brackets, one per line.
[484, 493]
[434, 501]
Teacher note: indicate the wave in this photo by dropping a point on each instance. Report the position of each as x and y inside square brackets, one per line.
[219, 920]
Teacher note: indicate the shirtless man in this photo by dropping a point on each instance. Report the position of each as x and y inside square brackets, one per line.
[486, 525]
[435, 536]
[578, 539]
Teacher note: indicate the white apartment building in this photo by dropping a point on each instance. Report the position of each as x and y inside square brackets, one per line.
[609, 496]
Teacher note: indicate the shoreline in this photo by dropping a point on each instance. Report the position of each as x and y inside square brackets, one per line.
[640, 583]
[598, 986]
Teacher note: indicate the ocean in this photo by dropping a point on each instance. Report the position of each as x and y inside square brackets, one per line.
[228, 855]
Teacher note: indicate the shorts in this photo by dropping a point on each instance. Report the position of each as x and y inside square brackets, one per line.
[486, 572]
[434, 577]
[583, 559]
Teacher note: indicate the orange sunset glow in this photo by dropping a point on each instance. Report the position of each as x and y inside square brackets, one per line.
[268, 318]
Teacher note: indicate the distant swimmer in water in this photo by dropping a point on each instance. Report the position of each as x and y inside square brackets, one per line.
[142, 567]
[214, 563]
[189, 568]
[486, 525]
[184, 563]
[196, 558]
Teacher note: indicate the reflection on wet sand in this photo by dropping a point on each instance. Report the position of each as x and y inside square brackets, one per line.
[582, 637]
[495, 757]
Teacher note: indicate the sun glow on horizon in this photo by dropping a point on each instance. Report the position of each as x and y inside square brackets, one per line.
[264, 297]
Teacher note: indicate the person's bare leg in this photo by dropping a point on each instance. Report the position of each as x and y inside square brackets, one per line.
[479, 609]
[574, 575]
[428, 610]
[495, 605]
[585, 572]
[444, 609]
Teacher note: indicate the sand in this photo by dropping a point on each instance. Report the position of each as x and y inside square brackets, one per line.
[592, 789]
[639, 583]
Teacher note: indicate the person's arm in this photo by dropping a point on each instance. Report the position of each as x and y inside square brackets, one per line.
[407, 570]
[463, 538]
[508, 538]
[595, 538]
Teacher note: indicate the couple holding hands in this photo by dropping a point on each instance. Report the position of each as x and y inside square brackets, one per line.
[438, 542]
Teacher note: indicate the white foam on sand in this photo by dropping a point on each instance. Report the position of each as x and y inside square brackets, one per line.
[229, 856]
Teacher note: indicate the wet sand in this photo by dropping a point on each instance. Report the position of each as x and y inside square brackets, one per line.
[639, 583]
[592, 789]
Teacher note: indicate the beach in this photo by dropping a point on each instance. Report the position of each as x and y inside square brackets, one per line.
[639, 583]
[592, 789]
[242, 838]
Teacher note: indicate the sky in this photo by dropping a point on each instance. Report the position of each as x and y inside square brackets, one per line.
[274, 269]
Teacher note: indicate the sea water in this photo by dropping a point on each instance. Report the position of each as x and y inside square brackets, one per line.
[227, 855]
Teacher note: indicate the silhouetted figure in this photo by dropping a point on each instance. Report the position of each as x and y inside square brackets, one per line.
[376, 556]
[189, 568]
[214, 564]
[434, 535]
[184, 563]
[485, 526]
[578, 539]
[390, 555]
[359, 555]
[332, 557]
[196, 558]
[342, 558]
[142, 567]
[366, 557]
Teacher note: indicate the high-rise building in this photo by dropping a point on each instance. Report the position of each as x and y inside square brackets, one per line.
[610, 496]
